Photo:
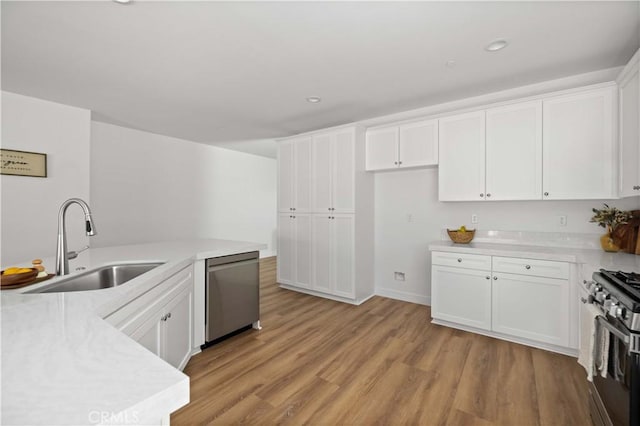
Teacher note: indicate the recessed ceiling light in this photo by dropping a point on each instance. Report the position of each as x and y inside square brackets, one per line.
[122, 1]
[496, 45]
[450, 63]
[313, 99]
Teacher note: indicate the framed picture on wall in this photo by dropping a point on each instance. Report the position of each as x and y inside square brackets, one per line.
[23, 163]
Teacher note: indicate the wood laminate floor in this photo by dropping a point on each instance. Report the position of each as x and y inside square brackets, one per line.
[322, 362]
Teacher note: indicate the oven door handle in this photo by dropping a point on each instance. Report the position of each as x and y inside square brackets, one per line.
[619, 334]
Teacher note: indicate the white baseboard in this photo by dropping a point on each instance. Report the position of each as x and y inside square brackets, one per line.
[404, 296]
[324, 295]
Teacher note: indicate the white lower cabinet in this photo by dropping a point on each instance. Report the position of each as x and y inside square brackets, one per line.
[333, 254]
[169, 331]
[449, 283]
[294, 249]
[161, 320]
[535, 308]
[530, 302]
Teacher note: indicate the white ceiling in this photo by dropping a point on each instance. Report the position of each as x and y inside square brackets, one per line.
[217, 72]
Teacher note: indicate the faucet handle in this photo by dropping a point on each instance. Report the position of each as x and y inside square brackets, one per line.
[74, 254]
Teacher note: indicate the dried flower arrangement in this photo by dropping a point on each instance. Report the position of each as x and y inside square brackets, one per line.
[610, 217]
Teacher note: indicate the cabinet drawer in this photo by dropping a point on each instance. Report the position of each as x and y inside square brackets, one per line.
[538, 268]
[461, 260]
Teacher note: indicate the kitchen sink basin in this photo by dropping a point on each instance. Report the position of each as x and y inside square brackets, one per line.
[96, 279]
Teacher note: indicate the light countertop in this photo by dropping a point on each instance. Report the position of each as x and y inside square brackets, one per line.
[63, 364]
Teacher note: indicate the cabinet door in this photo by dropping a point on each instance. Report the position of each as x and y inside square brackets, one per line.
[461, 165]
[321, 252]
[286, 248]
[285, 176]
[302, 249]
[302, 175]
[343, 174]
[321, 173]
[149, 334]
[629, 92]
[514, 152]
[418, 144]
[382, 149]
[178, 330]
[342, 255]
[578, 146]
[462, 296]
[535, 308]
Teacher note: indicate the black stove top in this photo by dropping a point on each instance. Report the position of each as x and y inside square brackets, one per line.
[625, 285]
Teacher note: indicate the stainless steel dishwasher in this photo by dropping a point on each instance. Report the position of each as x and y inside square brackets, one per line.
[232, 294]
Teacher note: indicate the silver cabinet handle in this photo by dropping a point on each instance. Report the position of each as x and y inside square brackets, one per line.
[169, 315]
[459, 260]
[495, 278]
[488, 195]
[527, 267]
[546, 194]
[488, 277]
[481, 195]
[399, 162]
[395, 162]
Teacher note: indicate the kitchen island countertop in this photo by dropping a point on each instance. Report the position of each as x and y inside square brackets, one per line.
[63, 364]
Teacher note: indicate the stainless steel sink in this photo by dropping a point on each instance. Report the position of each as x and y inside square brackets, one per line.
[96, 279]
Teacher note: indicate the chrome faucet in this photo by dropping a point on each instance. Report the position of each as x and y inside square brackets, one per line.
[62, 256]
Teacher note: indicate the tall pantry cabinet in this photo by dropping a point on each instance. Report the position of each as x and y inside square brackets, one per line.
[325, 215]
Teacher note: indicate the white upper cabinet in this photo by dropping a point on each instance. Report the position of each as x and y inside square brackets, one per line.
[578, 145]
[322, 171]
[294, 175]
[285, 176]
[382, 148]
[461, 171]
[333, 178]
[418, 144]
[408, 145]
[629, 96]
[514, 152]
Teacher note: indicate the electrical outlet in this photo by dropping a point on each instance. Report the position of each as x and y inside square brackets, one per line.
[399, 276]
[474, 218]
[562, 220]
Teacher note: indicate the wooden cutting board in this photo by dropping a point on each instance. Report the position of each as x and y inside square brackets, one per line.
[626, 236]
[24, 284]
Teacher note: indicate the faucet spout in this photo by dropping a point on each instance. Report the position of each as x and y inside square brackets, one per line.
[62, 256]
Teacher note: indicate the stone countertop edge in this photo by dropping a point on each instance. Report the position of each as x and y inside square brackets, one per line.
[588, 258]
[63, 364]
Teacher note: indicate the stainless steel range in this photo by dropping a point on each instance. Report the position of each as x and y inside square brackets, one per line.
[615, 399]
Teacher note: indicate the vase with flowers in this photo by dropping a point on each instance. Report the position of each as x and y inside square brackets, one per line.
[610, 218]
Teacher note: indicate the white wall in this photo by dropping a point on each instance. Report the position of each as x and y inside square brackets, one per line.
[29, 204]
[147, 187]
[401, 245]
